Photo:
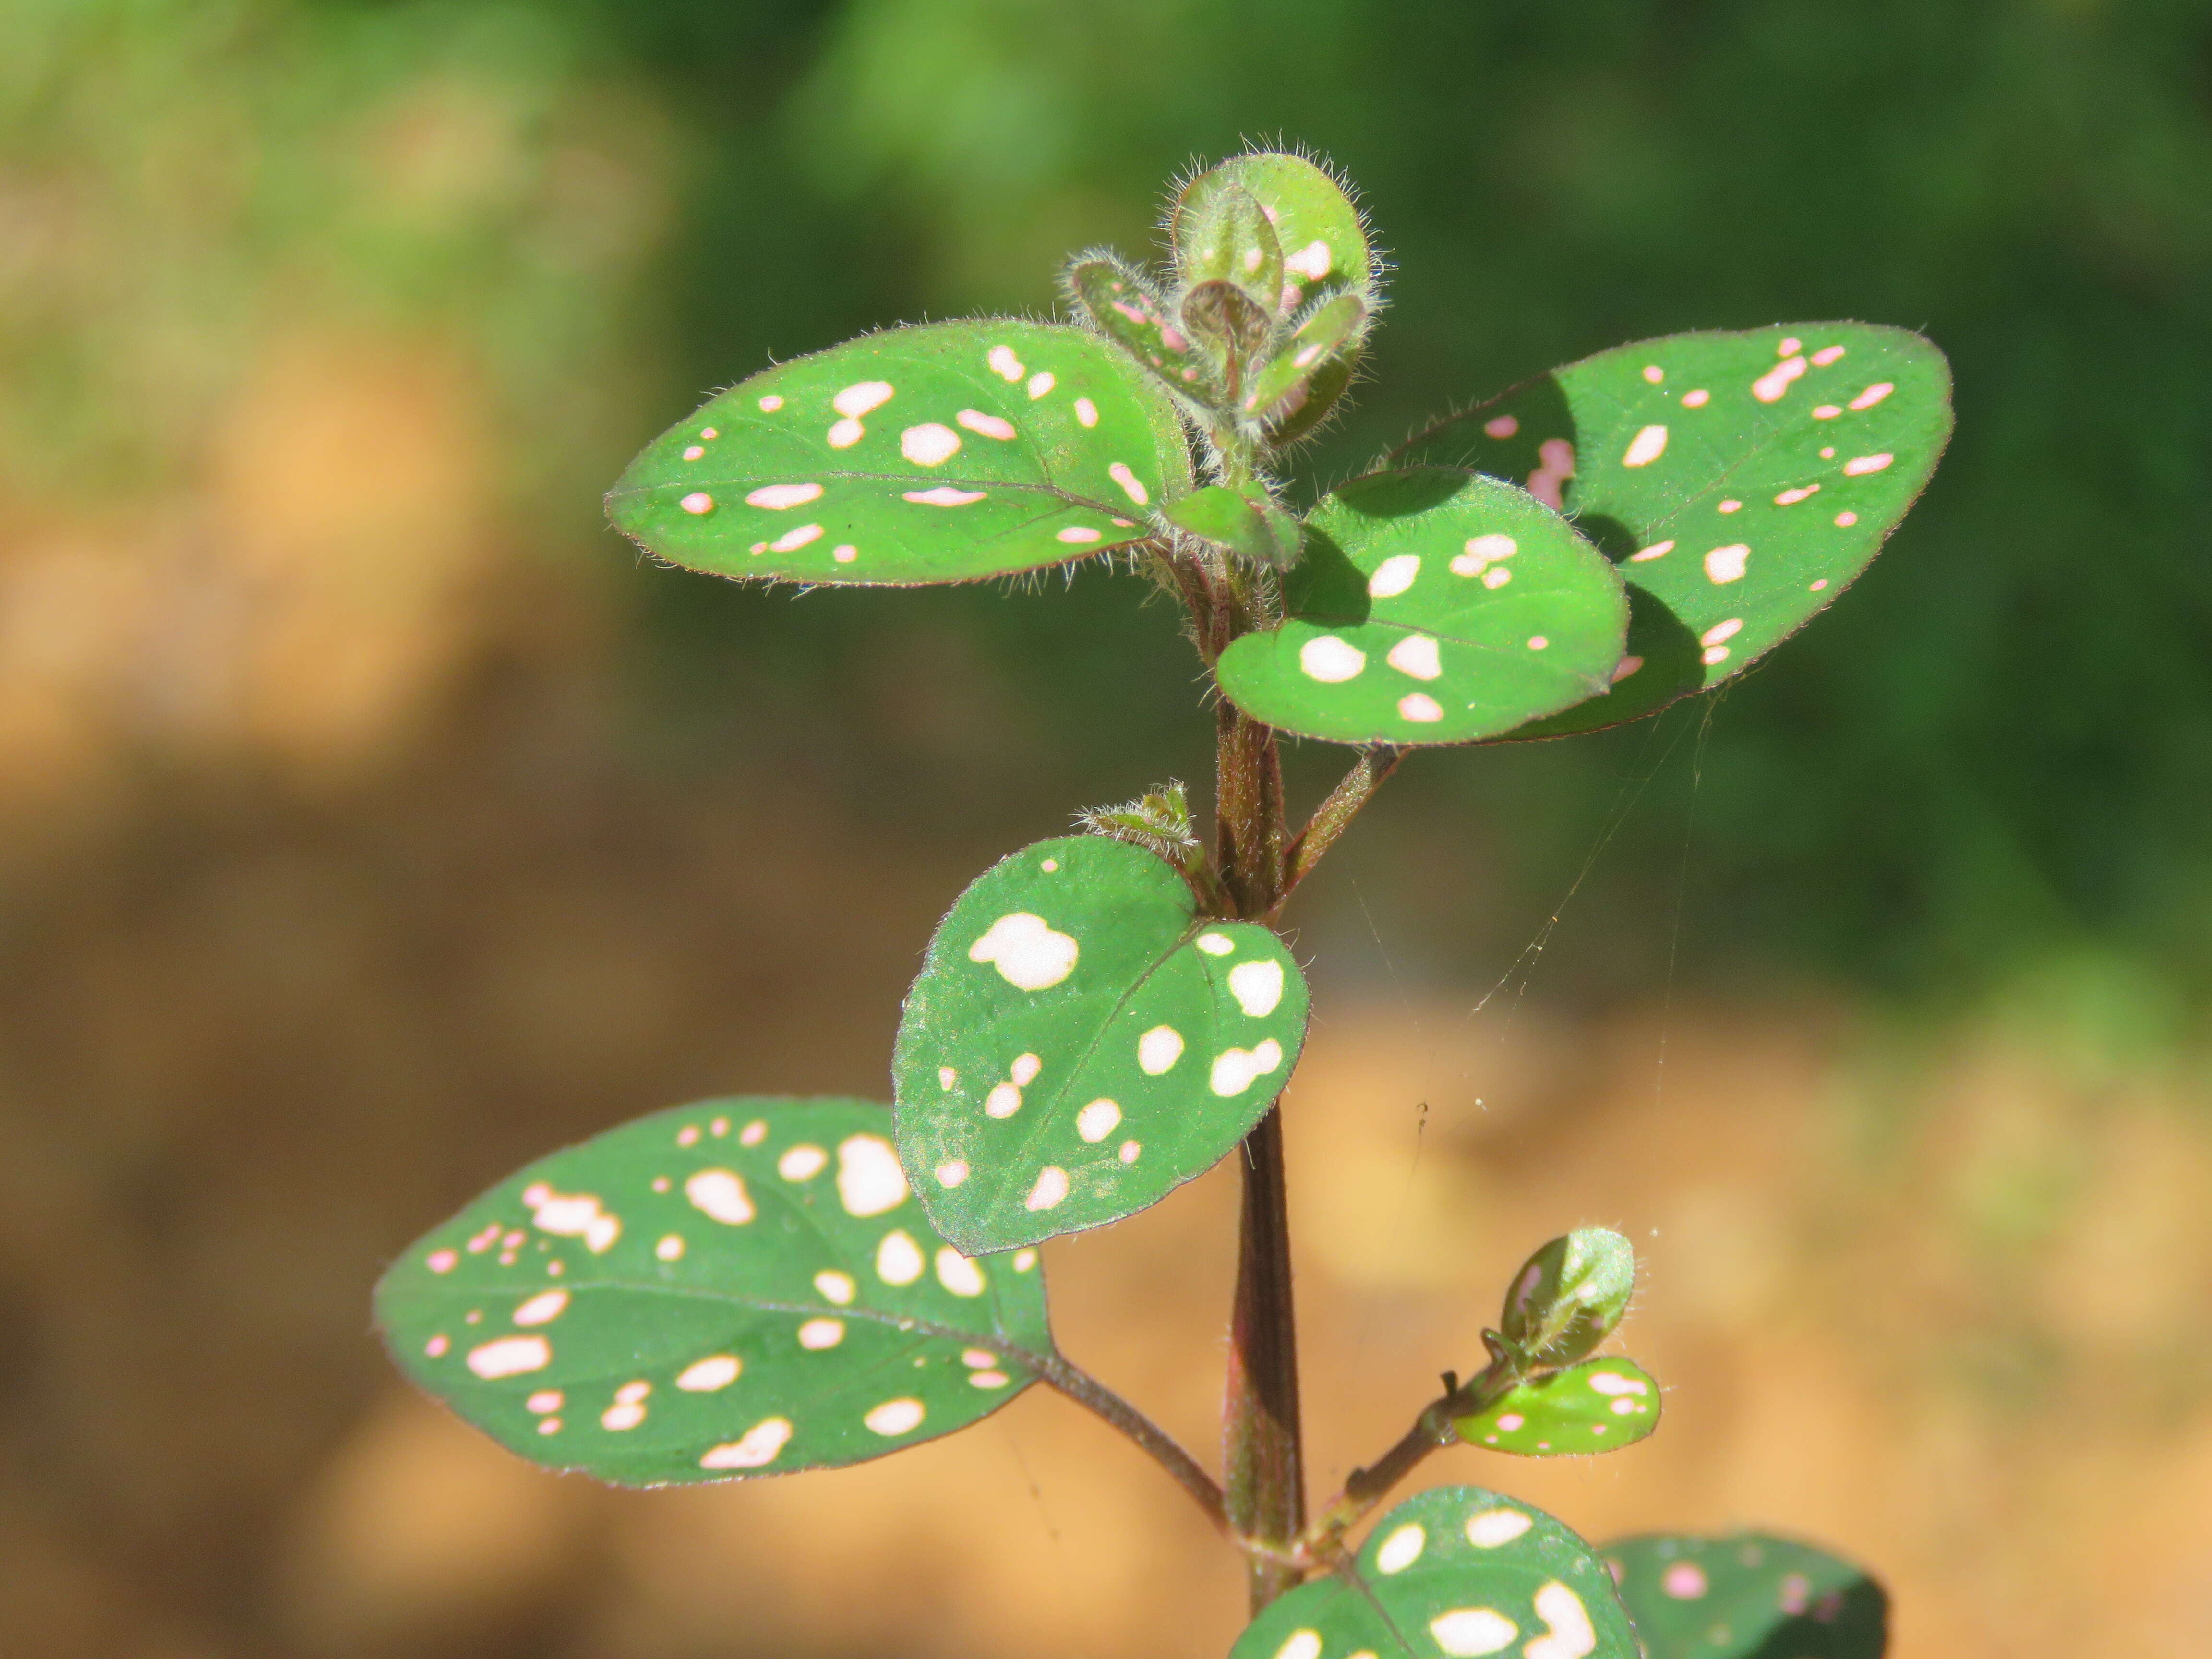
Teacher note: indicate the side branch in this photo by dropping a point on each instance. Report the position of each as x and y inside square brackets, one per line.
[1432, 1431]
[1056, 1372]
[1333, 816]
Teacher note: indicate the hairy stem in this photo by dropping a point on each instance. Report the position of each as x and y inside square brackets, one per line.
[1335, 816]
[1266, 1481]
[1265, 1451]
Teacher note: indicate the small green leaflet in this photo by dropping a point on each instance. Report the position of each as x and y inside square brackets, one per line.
[1432, 605]
[1568, 1297]
[1747, 1596]
[1080, 1043]
[743, 1286]
[1129, 313]
[1250, 525]
[1459, 1572]
[1742, 480]
[933, 454]
[1599, 1406]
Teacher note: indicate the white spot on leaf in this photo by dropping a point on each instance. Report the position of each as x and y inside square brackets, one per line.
[791, 540]
[1004, 1101]
[716, 1370]
[721, 1195]
[1130, 486]
[1697, 399]
[671, 1247]
[572, 1216]
[898, 1416]
[1158, 1049]
[1402, 1548]
[1098, 1120]
[1501, 425]
[1684, 1581]
[861, 397]
[1769, 387]
[1051, 1188]
[1257, 986]
[542, 1309]
[1646, 447]
[1656, 551]
[1028, 954]
[1860, 465]
[1416, 654]
[957, 1273]
[802, 1163]
[777, 497]
[696, 502]
[1394, 575]
[1330, 660]
[1008, 366]
[1828, 355]
[1612, 1383]
[835, 1286]
[1024, 1069]
[952, 1172]
[845, 434]
[1312, 261]
[1235, 1070]
[1874, 394]
[1490, 1529]
[1725, 564]
[1214, 945]
[759, 1445]
[1039, 383]
[1568, 1632]
[1301, 1644]
[817, 1334]
[1481, 552]
[1078, 535]
[1470, 1632]
[869, 1179]
[510, 1355]
[1419, 707]
[898, 1259]
[929, 446]
[943, 496]
[1087, 412]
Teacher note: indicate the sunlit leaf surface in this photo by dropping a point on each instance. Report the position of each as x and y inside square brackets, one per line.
[1080, 1042]
[743, 1286]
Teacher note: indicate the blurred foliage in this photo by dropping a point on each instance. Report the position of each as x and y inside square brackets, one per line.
[1994, 754]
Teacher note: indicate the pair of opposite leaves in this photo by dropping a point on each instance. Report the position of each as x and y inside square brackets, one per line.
[1580, 551]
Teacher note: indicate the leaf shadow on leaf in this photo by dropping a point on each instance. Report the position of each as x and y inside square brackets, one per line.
[1670, 665]
[1856, 1627]
[1326, 586]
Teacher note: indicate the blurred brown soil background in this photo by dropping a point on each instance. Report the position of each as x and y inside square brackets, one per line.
[360, 838]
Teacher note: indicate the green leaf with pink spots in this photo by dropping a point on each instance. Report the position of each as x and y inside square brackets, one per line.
[1324, 341]
[742, 1286]
[934, 454]
[1455, 1572]
[1080, 1042]
[1431, 605]
[1598, 1406]
[1742, 480]
[1747, 1595]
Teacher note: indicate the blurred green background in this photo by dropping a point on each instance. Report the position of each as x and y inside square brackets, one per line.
[371, 818]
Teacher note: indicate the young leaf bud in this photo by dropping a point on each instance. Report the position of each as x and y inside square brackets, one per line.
[1228, 239]
[1569, 1296]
